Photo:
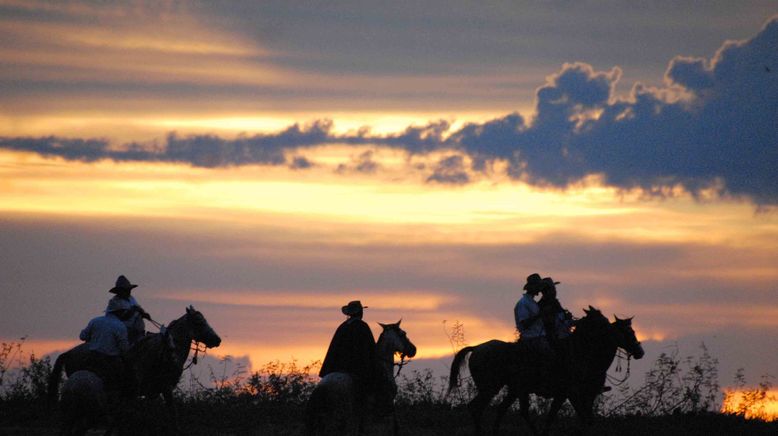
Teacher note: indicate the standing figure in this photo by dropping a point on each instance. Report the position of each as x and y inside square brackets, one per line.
[136, 328]
[352, 350]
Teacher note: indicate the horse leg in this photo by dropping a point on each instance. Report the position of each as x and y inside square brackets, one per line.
[552, 413]
[171, 410]
[506, 403]
[524, 405]
[477, 406]
[584, 409]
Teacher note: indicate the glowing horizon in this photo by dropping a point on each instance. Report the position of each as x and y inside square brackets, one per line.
[268, 164]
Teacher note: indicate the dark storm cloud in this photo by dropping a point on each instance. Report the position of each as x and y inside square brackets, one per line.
[722, 134]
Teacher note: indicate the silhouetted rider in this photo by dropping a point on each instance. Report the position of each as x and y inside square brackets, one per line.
[557, 321]
[527, 311]
[136, 328]
[106, 338]
[352, 350]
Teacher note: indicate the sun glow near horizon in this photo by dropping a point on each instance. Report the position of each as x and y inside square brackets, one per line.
[494, 209]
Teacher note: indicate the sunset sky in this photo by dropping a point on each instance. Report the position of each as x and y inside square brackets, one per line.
[269, 161]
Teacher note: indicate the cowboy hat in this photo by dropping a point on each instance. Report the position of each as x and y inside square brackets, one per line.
[352, 308]
[534, 282]
[123, 286]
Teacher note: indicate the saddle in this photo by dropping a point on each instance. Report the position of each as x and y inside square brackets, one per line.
[535, 359]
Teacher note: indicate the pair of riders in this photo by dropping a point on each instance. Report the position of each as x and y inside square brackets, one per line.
[110, 336]
[541, 323]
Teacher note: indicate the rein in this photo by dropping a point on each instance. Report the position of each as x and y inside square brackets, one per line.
[400, 365]
[196, 349]
[620, 355]
[156, 324]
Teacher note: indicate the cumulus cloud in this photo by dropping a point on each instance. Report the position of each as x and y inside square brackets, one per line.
[711, 126]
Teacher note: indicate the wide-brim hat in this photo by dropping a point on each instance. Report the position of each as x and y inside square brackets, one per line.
[352, 308]
[548, 284]
[123, 286]
[534, 282]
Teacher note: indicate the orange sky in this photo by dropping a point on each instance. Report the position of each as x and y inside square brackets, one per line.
[275, 215]
[269, 252]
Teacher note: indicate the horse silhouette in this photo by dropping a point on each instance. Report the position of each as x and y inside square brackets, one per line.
[333, 406]
[578, 375]
[158, 360]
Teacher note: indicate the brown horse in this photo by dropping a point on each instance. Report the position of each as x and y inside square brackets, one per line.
[578, 374]
[158, 360]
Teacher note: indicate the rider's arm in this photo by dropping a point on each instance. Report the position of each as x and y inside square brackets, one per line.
[86, 332]
[142, 312]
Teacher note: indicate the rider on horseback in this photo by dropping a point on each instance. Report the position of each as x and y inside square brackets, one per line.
[136, 328]
[106, 337]
[527, 311]
[352, 350]
[541, 324]
[557, 321]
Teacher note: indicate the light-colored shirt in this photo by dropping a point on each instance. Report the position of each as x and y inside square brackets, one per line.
[135, 325]
[107, 335]
[526, 308]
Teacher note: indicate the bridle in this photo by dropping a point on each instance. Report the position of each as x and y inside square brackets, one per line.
[194, 345]
[620, 355]
[401, 364]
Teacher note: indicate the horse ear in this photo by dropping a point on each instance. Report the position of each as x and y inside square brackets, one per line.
[190, 309]
[398, 322]
[383, 326]
[617, 318]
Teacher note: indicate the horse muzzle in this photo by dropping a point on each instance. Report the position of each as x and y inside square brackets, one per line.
[637, 352]
[213, 341]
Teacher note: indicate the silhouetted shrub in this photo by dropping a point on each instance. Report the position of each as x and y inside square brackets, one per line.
[673, 385]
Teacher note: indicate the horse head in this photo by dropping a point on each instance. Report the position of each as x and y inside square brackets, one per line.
[396, 339]
[625, 337]
[200, 329]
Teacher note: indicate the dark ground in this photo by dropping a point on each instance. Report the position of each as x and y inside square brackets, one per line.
[279, 419]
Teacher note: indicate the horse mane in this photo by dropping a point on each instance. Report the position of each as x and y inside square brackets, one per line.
[593, 320]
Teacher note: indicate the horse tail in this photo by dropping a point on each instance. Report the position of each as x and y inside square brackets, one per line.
[459, 358]
[55, 377]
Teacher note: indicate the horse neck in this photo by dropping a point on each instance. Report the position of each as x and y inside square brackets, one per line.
[182, 338]
[597, 350]
[385, 355]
